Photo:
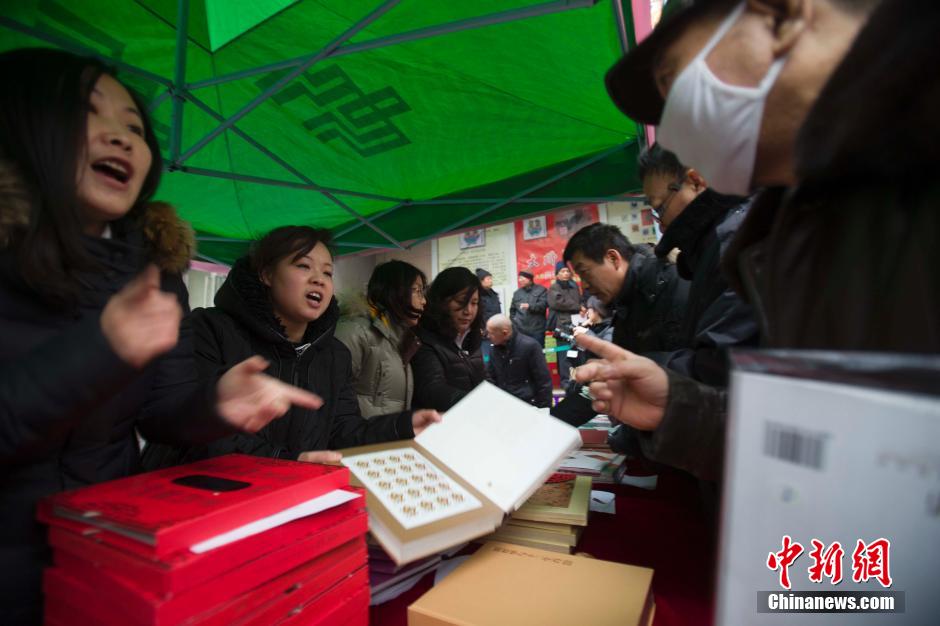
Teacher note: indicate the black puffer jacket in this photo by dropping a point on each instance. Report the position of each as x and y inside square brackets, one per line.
[518, 367]
[564, 300]
[651, 306]
[243, 324]
[848, 258]
[443, 372]
[69, 406]
[489, 302]
[717, 318]
[530, 321]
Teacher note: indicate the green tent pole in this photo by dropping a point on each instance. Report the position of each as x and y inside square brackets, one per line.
[247, 178]
[621, 23]
[76, 48]
[524, 192]
[179, 80]
[156, 102]
[276, 87]
[290, 168]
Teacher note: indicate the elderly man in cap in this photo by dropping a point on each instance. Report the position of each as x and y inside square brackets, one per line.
[528, 306]
[828, 106]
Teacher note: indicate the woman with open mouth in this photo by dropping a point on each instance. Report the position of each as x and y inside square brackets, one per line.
[95, 342]
[278, 302]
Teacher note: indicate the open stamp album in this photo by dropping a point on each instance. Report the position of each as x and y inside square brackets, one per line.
[458, 479]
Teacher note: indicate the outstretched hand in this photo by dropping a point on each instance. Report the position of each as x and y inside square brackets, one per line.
[629, 388]
[248, 398]
[422, 418]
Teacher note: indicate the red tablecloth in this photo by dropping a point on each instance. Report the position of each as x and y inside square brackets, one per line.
[666, 529]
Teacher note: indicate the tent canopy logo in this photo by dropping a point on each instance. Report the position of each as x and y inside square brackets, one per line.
[345, 112]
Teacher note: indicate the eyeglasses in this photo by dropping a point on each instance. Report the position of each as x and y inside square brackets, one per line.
[660, 209]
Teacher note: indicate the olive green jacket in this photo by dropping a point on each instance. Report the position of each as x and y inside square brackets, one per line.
[383, 382]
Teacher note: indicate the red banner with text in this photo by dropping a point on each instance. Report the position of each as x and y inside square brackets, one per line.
[541, 240]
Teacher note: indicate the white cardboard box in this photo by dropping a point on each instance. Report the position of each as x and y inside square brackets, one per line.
[838, 447]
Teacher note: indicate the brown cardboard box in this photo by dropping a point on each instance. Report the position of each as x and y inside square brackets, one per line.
[508, 584]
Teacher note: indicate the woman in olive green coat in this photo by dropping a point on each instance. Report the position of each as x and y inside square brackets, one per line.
[382, 339]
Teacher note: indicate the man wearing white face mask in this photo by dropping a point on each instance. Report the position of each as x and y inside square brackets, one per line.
[831, 107]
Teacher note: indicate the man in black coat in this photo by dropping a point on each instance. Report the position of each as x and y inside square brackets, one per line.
[489, 299]
[648, 297]
[646, 293]
[699, 222]
[528, 307]
[849, 169]
[517, 363]
[564, 300]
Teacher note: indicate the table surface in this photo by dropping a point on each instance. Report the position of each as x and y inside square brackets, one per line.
[666, 529]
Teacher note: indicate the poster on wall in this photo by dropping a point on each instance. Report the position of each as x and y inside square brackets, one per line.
[489, 248]
[534, 228]
[472, 239]
[539, 255]
[635, 219]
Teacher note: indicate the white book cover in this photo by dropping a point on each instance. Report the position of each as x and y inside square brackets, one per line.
[504, 447]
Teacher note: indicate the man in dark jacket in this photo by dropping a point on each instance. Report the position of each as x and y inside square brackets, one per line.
[700, 223]
[517, 364]
[849, 169]
[648, 297]
[489, 304]
[528, 307]
[564, 300]
[489, 299]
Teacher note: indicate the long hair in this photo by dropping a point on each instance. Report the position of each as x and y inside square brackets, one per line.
[43, 121]
[389, 290]
[447, 284]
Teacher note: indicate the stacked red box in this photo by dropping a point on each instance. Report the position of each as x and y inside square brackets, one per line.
[123, 550]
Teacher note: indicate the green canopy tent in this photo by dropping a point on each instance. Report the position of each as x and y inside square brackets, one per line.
[389, 122]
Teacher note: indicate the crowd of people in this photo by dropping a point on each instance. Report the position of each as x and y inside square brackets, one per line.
[794, 186]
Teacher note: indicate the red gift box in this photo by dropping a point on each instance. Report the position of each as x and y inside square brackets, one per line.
[168, 510]
[184, 569]
[146, 607]
[72, 600]
[346, 604]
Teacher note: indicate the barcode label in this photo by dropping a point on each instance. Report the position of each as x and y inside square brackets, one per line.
[794, 445]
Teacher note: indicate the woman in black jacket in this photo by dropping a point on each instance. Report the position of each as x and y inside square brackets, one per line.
[279, 303]
[449, 364]
[94, 340]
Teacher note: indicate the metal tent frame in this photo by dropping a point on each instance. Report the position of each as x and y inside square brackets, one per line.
[182, 93]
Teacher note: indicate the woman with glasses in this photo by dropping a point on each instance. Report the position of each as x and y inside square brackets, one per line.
[382, 339]
[448, 365]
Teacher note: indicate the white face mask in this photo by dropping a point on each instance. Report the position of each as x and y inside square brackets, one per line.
[713, 126]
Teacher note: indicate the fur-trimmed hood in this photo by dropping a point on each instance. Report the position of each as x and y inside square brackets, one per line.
[170, 241]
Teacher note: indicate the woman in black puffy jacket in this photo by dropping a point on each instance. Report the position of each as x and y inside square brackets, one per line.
[449, 364]
[278, 303]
